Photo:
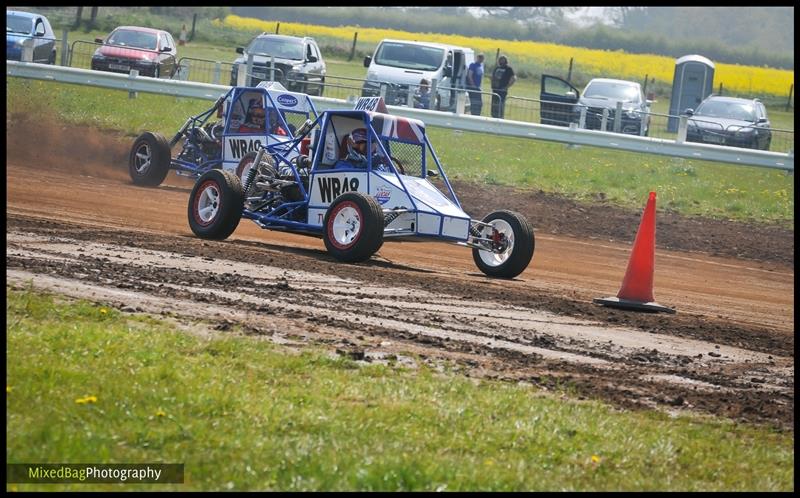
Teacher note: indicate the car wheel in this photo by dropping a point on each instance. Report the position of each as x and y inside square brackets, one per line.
[215, 205]
[514, 236]
[149, 160]
[353, 227]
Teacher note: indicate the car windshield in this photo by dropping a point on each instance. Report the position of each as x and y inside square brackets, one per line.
[408, 56]
[723, 109]
[18, 24]
[624, 92]
[281, 48]
[137, 39]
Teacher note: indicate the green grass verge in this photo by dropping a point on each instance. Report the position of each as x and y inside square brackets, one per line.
[242, 413]
[689, 187]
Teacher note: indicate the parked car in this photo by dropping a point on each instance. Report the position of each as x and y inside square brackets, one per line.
[730, 121]
[151, 51]
[400, 65]
[562, 104]
[299, 66]
[22, 26]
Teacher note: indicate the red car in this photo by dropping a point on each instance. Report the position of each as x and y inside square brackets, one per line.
[151, 51]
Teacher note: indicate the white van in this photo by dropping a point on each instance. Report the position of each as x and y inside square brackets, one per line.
[399, 65]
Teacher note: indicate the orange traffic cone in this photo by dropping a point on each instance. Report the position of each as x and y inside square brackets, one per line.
[636, 292]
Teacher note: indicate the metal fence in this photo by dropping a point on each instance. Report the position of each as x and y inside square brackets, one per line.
[117, 59]
[678, 147]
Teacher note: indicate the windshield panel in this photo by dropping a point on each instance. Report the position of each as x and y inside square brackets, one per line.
[612, 91]
[408, 56]
[731, 110]
[18, 24]
[136, 39]
[283, 49]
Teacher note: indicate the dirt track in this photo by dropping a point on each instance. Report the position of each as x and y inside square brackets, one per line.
[76, 224]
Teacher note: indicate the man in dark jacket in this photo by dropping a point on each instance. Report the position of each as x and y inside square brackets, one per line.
[502, 79]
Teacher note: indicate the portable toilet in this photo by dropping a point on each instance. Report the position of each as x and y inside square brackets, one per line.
[693, 82]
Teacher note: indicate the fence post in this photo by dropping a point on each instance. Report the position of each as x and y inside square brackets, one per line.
[64, 47]
[250, 70]
[194, 22]
[410, 96]
[618, 118]
[27, 50]
[133, 75]
[604, 120]
[217, 71]
[644, 90]
[496, 56]
[569, 73]
[241, 74]
[720, 88]
[353, 50]
[434, 93]
[272, 69]
[277, 28]
[582, 120]
[683, 122]
[461, 102]
[789, 100]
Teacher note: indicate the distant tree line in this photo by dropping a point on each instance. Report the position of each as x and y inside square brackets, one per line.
[542, 25]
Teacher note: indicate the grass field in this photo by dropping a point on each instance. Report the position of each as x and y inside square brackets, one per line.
[624, 178]
[86, 383]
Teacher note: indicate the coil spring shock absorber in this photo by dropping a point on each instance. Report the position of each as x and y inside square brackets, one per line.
[251, 173]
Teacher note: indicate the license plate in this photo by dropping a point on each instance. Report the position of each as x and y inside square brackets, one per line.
[119, 67]
[714, 139]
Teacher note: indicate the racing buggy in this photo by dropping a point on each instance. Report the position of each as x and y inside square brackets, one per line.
[239, 122]
[355, 202]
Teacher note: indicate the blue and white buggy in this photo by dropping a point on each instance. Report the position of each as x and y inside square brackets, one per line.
[221, 143]
[356, 207]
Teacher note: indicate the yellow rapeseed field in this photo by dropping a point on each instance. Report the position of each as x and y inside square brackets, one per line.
[541, 57]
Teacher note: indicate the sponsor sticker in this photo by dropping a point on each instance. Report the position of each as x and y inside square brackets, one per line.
[287, 100]
[383, 194]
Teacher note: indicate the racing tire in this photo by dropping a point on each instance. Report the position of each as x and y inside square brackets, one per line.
[149, 160]
[215, 205]
[513, 261]
[353, 227]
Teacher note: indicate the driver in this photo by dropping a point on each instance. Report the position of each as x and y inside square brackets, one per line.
[255, 121]
[354, 154]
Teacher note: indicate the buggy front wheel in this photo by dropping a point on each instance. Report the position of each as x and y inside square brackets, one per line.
[512, 243]
[353, 227]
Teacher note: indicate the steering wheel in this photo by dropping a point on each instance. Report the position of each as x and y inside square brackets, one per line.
[398, 165]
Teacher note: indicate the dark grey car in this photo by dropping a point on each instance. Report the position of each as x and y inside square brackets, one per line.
[562, 104]
[298, 62]
[730, 121]
[27, 27]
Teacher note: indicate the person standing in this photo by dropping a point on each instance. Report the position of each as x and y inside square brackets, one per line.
[502, 79]
[182, 38]
[474, 77]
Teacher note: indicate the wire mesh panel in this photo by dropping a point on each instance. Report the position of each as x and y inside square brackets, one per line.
[408, 155]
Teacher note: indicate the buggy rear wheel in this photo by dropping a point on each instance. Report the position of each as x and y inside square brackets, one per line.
[353, 227]
[149, 160]
[215, 205]
[513, 241]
